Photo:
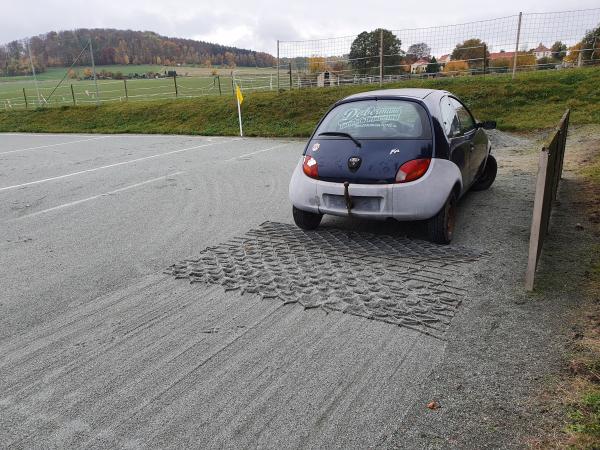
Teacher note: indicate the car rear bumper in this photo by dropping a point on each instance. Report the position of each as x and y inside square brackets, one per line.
[416, 200]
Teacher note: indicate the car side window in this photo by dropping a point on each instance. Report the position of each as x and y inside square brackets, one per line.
[451, 123]
[464, 116]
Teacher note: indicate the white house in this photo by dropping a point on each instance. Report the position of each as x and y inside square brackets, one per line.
[443, 60]
[542, 52]
[419, 66]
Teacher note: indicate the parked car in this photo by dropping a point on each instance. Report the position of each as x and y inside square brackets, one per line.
[406, 154]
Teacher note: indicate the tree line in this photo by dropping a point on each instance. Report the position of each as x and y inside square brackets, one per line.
[471, 55]
[60, 49]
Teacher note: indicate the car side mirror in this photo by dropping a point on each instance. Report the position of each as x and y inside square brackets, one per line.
[487, 124]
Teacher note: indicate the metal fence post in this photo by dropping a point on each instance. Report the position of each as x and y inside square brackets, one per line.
[94, 70]
[517, 46]
[485, 61]
[25, 97]
[380, 57]
[219, 83]
[277, 65]
[34, 76]
[175, 83]
[290, 67]
[73, 95]
[126, 93]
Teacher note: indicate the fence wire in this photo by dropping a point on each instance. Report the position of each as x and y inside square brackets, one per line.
[515, 43]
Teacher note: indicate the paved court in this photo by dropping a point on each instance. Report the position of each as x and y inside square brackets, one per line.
[104, 342]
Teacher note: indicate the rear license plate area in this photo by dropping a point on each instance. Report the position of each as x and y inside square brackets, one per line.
[359, 203]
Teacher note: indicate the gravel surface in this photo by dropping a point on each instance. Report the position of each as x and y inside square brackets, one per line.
[101, 349]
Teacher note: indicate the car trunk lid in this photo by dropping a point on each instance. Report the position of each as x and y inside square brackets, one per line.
[376, 161]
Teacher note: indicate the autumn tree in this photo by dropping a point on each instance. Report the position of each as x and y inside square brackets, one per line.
[317, 64]
[364, 52]
[573, 56]
[590, 45]
[338, 66]
[456, 66]
[229, 59]
[559, 50]
[472, 52]
[419, 50]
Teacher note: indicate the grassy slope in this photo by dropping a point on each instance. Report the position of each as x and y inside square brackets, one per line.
[534, 100]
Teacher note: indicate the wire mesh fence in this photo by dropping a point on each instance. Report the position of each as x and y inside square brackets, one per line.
[29, 94]
[508, 44]
[511, 44]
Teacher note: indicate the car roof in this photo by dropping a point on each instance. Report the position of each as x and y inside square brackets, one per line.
[407, 92]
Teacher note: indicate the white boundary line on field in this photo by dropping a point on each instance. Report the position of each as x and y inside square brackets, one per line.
[122, 163]
[94, 197]
[53, 145]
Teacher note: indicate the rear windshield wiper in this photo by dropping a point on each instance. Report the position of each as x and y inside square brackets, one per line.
[339, 133]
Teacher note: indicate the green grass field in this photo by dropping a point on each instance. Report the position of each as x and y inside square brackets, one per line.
[192, 82]
[534, 100]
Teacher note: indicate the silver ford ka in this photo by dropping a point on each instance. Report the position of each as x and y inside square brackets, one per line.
[406, 154]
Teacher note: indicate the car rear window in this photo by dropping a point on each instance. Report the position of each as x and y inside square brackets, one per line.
[378, 119]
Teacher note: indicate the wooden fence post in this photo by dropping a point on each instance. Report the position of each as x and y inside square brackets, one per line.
[536, 223]
[548, 177]
[25, 97]
[175, 82]
[126, 93]
[73, 95]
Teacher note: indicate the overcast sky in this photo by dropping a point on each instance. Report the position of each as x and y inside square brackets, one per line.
[256, 24]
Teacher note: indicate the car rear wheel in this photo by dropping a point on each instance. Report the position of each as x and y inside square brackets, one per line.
[441, 226]
[488, 176]
[306, 220]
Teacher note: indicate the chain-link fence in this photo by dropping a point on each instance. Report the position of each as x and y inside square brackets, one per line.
[521, 42]
[503, 45]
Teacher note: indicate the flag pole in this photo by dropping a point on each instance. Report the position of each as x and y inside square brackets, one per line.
[240, 117]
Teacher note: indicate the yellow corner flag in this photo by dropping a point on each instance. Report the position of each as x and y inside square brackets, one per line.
[240, 99]
[238, 94]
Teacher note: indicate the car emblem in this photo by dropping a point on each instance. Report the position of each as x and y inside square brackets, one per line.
[394, 151]
[354, 163]
[316, 146]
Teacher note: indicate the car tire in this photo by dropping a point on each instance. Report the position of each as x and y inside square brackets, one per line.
[488, 176]
[440, 227]
[306, 220]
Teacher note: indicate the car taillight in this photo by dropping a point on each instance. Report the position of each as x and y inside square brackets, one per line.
[310, 167]
[412, 170]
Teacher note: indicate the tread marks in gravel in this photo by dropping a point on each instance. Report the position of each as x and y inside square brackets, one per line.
[401, 281]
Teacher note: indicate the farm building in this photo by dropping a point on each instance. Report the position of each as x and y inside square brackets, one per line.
[542, 52]
[419, 66]
[327, 79]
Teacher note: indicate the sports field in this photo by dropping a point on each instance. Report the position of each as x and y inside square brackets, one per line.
[21, 92]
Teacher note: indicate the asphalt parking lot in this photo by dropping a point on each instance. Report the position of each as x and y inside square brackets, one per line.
[279, 341]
